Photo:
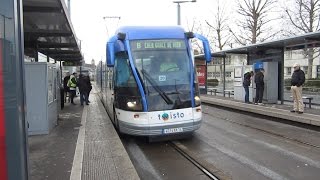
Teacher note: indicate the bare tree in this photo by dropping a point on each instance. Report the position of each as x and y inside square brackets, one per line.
[254, 21]
[304, 18]
[220, 27]
[197, 27]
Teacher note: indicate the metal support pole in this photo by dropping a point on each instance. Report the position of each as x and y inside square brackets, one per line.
[282, 77]
[206, 76]
[224, 72]
[36, 58]
[178, 10]
[4, 27]
[48, 58]
[69, 8]
[61, 79]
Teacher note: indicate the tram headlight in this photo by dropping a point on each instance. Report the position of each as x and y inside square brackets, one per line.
[197, 100]
[131, 104]
[134, 105]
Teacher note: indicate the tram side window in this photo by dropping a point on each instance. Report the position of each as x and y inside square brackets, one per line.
[123, 74]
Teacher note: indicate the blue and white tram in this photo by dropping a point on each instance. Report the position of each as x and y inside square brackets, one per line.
[149, 84]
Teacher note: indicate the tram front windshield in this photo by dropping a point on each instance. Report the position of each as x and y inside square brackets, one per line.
[164, 67]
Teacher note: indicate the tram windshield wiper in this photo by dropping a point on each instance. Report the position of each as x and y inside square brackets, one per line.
[174, 92]
[157, 88]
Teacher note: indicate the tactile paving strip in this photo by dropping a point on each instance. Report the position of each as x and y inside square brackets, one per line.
[104, 155]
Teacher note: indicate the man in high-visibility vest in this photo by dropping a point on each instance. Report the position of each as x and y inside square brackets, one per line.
[72, 84]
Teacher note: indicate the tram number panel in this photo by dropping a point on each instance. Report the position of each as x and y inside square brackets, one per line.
[172, 130]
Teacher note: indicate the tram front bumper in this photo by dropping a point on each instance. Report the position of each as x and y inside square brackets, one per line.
[159, 130]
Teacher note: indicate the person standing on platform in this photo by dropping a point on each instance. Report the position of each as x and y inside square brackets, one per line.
[72, 84]
[246, 83]
[89, 85]
[297, 80]
[65, 86]
[259, 80]
[84, 89]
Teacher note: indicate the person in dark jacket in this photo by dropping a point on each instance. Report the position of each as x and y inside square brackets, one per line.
[297, 80]
[259, 80]
[84, 88]
[89, 85]
[246, 83]
[65, 86]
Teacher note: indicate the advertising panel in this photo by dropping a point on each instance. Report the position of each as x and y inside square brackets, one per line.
[201, 73]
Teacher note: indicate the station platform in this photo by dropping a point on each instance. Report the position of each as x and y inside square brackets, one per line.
[84, 145]
[280, 111]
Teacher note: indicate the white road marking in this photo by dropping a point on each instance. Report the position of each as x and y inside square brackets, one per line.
[76, 171]
[244, 160]
[297, 157]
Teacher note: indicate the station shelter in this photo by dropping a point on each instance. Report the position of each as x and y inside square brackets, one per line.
[278, 55]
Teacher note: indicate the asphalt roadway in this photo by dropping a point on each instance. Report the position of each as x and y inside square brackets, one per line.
[236, 145]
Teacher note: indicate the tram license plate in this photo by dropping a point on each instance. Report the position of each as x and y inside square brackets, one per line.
[172, 130]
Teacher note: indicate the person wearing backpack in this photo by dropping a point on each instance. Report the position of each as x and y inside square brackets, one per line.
[246, 83]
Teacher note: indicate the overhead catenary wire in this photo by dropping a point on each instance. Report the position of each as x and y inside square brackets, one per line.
[111, 17]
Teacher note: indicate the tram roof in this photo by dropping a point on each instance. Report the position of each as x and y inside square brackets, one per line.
[48, 29]
[152, 32]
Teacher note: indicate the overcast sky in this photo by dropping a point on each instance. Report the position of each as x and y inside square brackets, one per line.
[92, 29]
[87, 18]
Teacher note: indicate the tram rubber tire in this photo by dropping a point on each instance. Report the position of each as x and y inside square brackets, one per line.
[116, 124]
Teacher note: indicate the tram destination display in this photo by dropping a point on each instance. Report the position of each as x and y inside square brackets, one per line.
[157, 44]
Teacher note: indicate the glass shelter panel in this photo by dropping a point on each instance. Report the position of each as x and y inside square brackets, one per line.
[220, 72]
[311, 68]
[13, 142]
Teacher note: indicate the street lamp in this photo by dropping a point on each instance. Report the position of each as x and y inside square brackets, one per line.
[178, 8]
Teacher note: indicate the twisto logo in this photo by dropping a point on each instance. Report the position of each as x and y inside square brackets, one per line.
[165, 116]
[172, 115]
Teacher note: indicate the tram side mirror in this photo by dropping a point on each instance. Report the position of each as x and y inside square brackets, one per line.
[110, 51]
[114, 45]
[206, 46]
[110, 54]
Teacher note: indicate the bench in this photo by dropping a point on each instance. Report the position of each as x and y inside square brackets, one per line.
[228, 91]
[309, 101]
[213, 90]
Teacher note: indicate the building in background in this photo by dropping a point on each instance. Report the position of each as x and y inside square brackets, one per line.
[300, 57]
[216, 73]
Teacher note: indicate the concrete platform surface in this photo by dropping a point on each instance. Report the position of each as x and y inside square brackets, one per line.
[311, 116]
[84, 145]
